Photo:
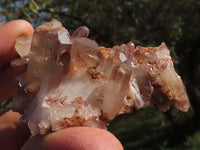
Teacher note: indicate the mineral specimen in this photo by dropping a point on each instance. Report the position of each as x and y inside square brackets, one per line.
[71, 81]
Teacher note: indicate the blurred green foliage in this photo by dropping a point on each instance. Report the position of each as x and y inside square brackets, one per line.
[146, 23]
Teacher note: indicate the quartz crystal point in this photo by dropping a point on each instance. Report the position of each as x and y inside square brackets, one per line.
[71, 81]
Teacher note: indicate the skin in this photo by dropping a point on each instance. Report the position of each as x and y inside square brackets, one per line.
[13, 135]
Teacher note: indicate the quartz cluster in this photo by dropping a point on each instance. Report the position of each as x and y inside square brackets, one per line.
[71, 81]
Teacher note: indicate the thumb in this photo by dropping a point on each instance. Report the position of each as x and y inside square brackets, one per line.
[8, 34]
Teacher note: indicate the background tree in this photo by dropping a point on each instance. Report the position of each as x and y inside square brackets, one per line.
[146, 23]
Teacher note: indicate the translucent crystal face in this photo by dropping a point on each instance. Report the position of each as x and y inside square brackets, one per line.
[71, 81]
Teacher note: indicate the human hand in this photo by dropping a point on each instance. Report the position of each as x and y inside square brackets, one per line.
[14, 136]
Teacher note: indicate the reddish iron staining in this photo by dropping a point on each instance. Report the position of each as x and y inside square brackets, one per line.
[105, 51]
[128, 97]
[71, 122]
[93, 73]
[143, 50]
[50, 101]
[79, 100]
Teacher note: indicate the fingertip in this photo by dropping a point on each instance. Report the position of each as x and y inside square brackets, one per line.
[8, 34]
[76, 138]
[17, 28]
[13, 134]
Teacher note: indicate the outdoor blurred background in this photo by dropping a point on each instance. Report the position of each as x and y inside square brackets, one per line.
[146, 23]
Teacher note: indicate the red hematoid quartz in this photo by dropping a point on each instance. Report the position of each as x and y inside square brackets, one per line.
[71, 81]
